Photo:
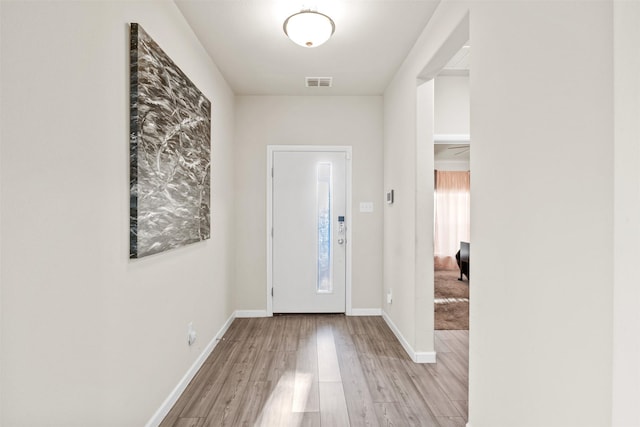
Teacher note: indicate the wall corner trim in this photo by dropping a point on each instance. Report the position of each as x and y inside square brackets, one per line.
[365, 312]
[168, 403]
[417, 357]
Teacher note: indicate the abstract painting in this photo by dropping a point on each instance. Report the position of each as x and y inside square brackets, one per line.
[170, 152]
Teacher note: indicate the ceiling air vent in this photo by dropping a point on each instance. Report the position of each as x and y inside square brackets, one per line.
[319, 81]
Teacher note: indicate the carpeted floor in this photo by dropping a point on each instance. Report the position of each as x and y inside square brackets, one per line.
[451, 301]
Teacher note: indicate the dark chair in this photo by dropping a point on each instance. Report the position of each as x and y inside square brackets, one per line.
[462, 258]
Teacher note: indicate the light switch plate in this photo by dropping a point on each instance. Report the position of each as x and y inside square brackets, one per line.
[366, 206]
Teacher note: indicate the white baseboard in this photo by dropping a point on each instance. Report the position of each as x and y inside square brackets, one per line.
[168, 403]
[366, 312]
[425, 357]
[416, 356]
[251, 313]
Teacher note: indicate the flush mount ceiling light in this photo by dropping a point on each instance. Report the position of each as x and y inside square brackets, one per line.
[309, 28]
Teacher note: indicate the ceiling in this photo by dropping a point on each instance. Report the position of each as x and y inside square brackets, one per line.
[451, 152]
[246, 40]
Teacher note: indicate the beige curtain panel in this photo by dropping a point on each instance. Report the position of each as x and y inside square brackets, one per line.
[452, 216]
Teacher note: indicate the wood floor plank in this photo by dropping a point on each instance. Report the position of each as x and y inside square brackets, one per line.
[456, 342]
[328, 367]
[232, 396]
[441, 345]
[310, 419]
[379, 347]
[457, 365]
[400, 415]
[405, 387]
[226, 407]
[251, 350]
[362, 345]
[376, 325]
[462, 336]
[257, 393]
[359, 402]
[239, 329]
[209, 382]
[463, 407]
[342, 336]
[306, 392]
[356, 325]
[391, 414]
[270, 365]
[258, 326]
[189, 422]
[291, 333]
[435, 397]
[307, 341]
[192, 393]
[452, 422]
[460, 350]
[333, 406]
[306, 396]
[448, 382]
[275, 334]
[277, 410]
[262, 367]
[379, 385]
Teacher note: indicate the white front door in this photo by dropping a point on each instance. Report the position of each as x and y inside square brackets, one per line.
[309, 231]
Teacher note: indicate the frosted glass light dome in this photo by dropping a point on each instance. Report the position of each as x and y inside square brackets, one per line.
[309, 28]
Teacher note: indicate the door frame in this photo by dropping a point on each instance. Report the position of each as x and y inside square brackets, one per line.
[271, 149]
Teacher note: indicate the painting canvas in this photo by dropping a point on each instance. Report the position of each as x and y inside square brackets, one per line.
[170, 152]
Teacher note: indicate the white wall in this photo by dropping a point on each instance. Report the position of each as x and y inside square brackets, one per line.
[422, 342]
[408, 260]
[542, 227]
[451, 115]
[90, 338]
[312, 120]
[626, 338]
[541, 304]
[452, 103]
[1, 238]
[399, 218]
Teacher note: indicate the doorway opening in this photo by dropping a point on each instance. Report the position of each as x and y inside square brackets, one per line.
[437, 132]
[452, 198]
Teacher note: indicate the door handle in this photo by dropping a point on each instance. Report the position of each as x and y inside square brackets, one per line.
[341, 241]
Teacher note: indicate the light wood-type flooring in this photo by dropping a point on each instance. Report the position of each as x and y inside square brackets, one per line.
[325, 371]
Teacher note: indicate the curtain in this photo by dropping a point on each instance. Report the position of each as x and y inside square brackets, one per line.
[452, 206]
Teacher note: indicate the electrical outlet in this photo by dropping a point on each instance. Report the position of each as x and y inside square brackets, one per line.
[191, 334]
[389, 297]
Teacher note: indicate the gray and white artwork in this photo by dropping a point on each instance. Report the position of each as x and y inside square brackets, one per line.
[170, 157]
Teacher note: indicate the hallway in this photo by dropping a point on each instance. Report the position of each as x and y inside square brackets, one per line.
[324, 370]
